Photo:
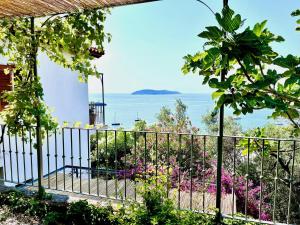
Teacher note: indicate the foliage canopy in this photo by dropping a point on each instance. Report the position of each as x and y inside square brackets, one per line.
[65, 39]
[297, 13]
[258, 79]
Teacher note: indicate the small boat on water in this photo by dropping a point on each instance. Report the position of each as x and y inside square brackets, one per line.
[137, 118]
[115, 123]
[237, 118]
[279, 123]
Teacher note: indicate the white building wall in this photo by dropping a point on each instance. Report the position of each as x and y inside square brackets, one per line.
[64, 94]
[68, 100]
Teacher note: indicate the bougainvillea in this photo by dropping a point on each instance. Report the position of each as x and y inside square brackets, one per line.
[204, 180]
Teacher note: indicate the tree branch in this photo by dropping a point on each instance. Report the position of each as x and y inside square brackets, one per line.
[284, 166]
[202, 2]
[245, 71]
[283, 97]
[261, 69]
[45, 22]
[292, 120]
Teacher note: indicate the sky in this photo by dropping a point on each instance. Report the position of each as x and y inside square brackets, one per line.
[150, 40]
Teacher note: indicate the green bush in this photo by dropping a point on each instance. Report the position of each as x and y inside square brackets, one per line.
[86, 214]
[108, 151]
[191, 218]
[17, 202]
[156, 209]
[54, 218]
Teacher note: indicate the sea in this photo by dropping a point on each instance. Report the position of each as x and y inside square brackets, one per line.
[126, 108]
[72, 148]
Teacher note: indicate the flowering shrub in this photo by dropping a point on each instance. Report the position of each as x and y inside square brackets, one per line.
[204, 180]
[238, 186]
[189, 162]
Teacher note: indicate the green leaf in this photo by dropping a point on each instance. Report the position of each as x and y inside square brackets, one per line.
[185, 69]
[228, 21]
[289, 61]
[205, 80]
[217, 94]
[280, 88]
[199, 56]
[212, 33]
[236, 22]
[227, 13]
[221, 101]
[279, 39]
[245, 152]
[219, 18]
[291, 80]
[213, 83]
[296, 13]
[293, 113]
[259, 27]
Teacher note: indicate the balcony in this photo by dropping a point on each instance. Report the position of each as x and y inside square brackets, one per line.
[110, 164]
[97, 113]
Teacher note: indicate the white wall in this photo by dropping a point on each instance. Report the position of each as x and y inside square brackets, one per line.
[64, 94]
[68, 98]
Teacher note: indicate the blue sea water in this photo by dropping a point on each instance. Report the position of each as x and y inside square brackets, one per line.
[125, 108]
[121, 108]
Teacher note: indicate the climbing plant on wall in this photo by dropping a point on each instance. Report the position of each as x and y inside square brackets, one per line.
[65, 39]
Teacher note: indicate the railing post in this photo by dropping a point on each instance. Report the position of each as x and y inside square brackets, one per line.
[219, 165]
[39, 157]
[103, 102]
[2, 157]
[38, 118]
[1, 174]
[220, 147]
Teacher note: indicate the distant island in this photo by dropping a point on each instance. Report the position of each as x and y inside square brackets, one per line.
[155, 92]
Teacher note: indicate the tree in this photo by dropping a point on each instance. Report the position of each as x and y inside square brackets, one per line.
[177, 121]
[297, 13]
[259, 78]
[231, 126]
[286, 159]
[65, 39]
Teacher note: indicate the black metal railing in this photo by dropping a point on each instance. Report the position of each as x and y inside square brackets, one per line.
[259, 175]
[97, 113]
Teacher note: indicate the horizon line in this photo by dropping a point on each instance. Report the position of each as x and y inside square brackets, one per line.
[132, 92]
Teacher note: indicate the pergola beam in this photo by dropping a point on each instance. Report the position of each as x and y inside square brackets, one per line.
[41, 8]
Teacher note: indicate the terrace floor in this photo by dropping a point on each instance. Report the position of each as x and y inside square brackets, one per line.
[65, 187]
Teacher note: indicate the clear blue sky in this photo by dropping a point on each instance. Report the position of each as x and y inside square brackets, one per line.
[149, 41]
